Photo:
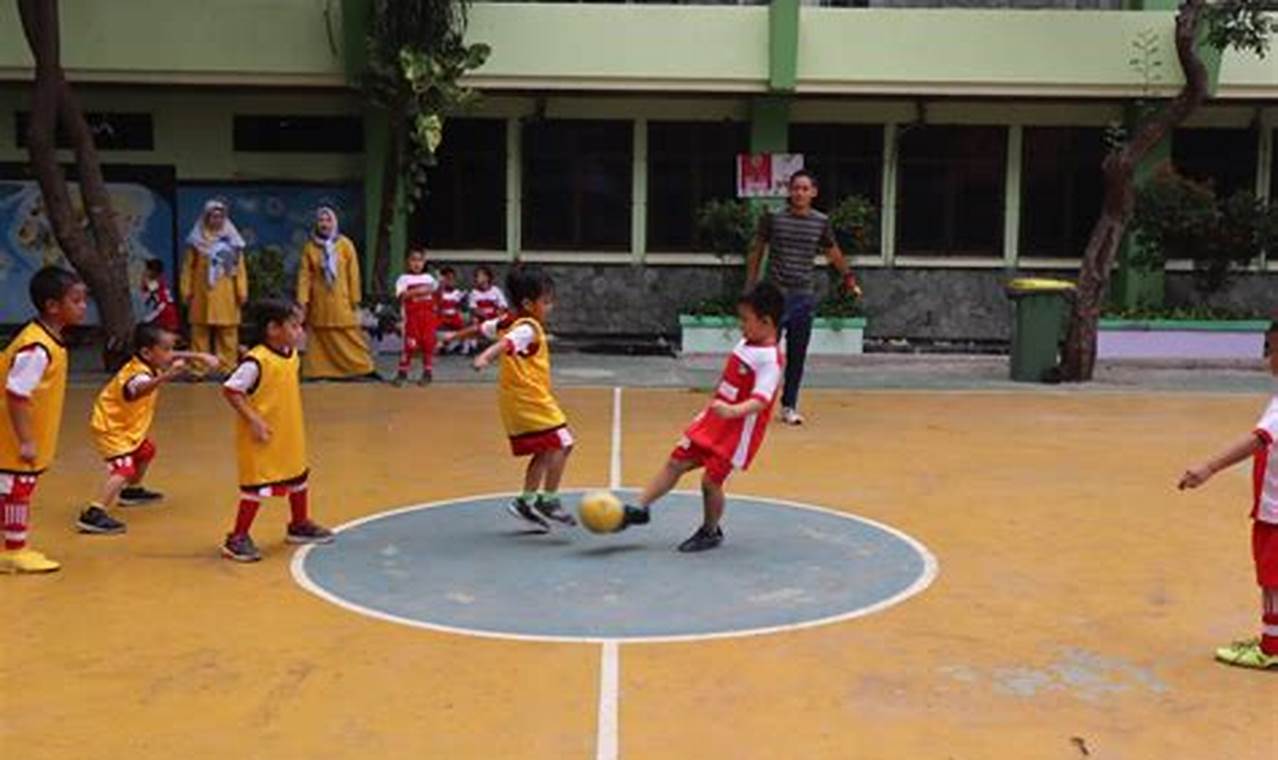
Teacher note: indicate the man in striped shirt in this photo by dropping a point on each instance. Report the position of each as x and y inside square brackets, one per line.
[794, 237]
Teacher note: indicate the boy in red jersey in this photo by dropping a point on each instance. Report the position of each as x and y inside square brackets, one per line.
[727, 435]
[418, 294]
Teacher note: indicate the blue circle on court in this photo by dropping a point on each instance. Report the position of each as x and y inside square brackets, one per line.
[466, 566]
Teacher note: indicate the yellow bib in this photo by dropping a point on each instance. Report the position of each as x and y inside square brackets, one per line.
[524, 395]
[277, 398]
[46, 400]
[119, 423]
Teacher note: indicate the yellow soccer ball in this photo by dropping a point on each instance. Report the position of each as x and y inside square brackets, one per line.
[601, 512]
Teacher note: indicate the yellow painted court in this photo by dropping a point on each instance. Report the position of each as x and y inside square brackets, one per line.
[1076, 604]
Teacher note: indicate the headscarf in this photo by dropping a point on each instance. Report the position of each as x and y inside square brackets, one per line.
[222, 246]
[329, 244]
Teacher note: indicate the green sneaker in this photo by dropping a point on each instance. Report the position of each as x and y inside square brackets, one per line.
[1247, 654]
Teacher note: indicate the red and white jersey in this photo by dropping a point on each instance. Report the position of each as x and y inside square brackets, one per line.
[487, 304]
[421, 304]
[450, 308]
[1265, 507]
[753, 371]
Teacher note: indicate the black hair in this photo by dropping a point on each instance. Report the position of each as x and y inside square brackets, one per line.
[147, 335]
[446, 271]
[485, 269]
[155, 266]
[800, 174]
[270, 311]
[766, 300]
[51, 284]
[527, 285]
[415, 249]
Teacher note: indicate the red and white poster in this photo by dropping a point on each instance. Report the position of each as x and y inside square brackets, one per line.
[766, 175]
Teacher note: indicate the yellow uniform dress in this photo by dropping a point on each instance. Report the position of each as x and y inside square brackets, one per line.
[277, 398]
[119, 423]
[46, 401]
[529, 411]
[214, 312]
[335, 344]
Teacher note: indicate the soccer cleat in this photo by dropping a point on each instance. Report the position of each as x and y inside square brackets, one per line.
[634, 516]
[791, 416]
[240, 548]
[309, 532]
[519, 508]
[134, 495]
[26, 561]
[96, 520]
[552, 509]
[1247, 654]
[400, 378]
[702, 540]
[427, 378]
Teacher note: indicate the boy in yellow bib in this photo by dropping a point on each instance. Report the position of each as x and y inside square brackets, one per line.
[533, 420]
[33, 368]
[121, 422]
[270, 437]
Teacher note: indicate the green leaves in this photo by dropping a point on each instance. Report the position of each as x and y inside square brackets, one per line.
[856, 222]
[727, 227]
[1241, 25]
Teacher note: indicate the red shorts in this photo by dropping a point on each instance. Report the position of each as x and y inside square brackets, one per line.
[717, 468]
[127, 465]
[16, 488]
[1264, 548]
[539, 443]
[283, 488]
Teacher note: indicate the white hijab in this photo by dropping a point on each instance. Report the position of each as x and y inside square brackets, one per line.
[329, 244]
[222, 246]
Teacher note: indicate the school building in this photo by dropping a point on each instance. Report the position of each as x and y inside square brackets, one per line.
[978, 131]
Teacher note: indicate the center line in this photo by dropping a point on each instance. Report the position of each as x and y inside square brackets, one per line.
[606, 741]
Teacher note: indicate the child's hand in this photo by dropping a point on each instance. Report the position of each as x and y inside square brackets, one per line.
[175, 368]
[1195, 477]
[722, 409]
[480, 362]
[27, 451]
[447, 337]
[261, 431]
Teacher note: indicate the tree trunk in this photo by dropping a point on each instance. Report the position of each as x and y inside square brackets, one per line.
[390, 199]
[1078, 359]
[102, 260]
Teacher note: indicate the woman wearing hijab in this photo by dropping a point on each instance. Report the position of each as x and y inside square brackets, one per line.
[328, 289]
[214, 284]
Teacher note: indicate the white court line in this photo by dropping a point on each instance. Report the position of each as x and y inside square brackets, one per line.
[607, 736]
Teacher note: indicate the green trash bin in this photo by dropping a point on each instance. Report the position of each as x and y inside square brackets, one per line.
[1038, 326]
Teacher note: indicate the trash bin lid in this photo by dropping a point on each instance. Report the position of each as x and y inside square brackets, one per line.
[1031, 285]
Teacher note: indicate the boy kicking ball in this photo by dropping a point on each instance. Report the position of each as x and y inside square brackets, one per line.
[1262, 652]
[727, 435]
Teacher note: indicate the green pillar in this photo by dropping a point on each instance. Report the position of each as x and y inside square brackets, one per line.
[783, 45]
[376, 143]
[770, 124]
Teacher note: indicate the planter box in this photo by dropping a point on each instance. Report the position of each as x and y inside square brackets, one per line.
[831, 336]
[1175, 339]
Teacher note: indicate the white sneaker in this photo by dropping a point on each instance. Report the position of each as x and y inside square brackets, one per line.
[791, 416]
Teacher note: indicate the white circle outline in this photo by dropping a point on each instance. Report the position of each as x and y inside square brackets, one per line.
[931, 568]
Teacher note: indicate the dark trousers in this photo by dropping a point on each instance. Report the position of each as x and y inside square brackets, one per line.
[797, 325]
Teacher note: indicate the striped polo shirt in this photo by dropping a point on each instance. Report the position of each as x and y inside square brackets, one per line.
[794, 241]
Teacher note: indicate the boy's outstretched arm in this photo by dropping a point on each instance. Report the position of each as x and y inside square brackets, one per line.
[1244, 449]
[732, 411]
[489, 355]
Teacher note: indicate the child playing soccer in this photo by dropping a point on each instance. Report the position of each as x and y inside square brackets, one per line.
[417, 292]
[270, 437]
[727, 435]
[121, 422]
[160, 308]
[486, 302]
[1258, 446]
[532, 418]
[34, 372]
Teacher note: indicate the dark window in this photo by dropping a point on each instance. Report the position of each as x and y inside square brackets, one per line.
[846, 160]
[950, 194]
[298, 134]
[111, 131]
[465, 203]
[1273, 174]
[577, 184]
[689, 164]
[1061, 190]
[1224, 157]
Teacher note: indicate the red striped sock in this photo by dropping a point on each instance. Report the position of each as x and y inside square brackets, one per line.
[1269, 623]
[244, 517]
[299, 506]
[16, 516]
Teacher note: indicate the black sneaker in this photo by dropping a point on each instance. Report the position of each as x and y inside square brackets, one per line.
[427, 378]
[134, 495]
[519, 508]
[635, 516]
[240, 548]
[552, 509]
[96, 520]
[702, 540]
[400, 378]
[308, 533]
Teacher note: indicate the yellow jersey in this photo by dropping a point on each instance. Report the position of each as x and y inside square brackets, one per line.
[524, 392]
[120, 422]
[46, 400]
[276, 396]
